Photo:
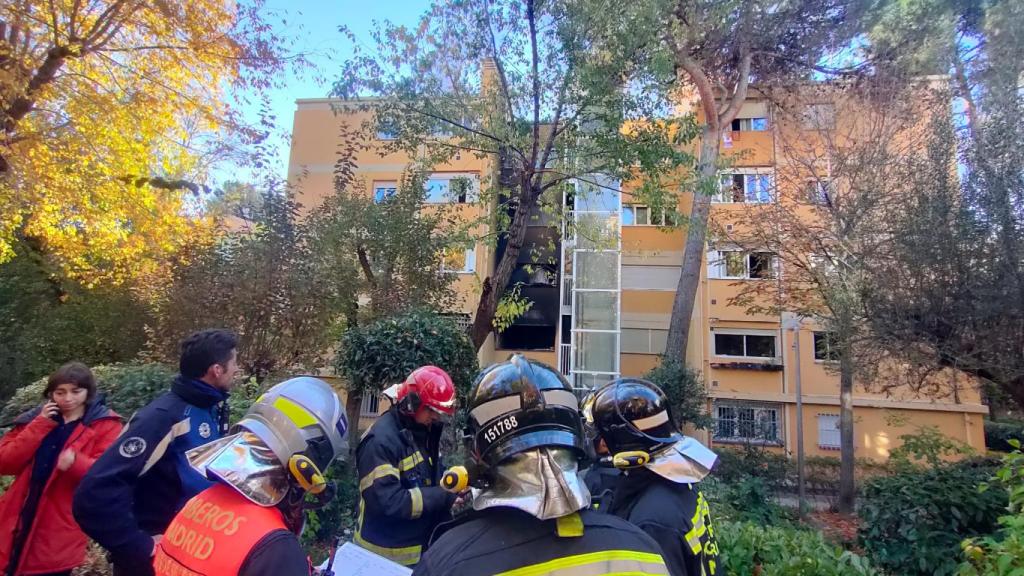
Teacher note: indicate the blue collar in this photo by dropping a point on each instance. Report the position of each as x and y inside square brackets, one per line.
[197, 392]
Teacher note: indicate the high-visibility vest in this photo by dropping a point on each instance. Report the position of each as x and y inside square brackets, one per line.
[213, 534]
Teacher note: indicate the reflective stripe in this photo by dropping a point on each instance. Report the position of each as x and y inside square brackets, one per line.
[651, 421]
[570, 526]
[694, 535]
[597, 564]
[490, 410]
[179, 429]
[404, 556]
[410, 462]
[417, 502]
[377, 473]
[297, 414]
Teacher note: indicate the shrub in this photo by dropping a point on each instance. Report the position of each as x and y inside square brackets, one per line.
[748, 548]
[383, 353]
[686, 393]
[736, 464]
[999, 434]
[1003, 554]
[915, 519]
[333, 520]
[128, 387]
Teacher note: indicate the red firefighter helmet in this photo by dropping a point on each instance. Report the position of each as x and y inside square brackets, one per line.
[427, 388]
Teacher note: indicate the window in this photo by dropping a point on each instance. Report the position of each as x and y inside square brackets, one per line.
[643, 340]
[747, 422]
[736, 188]
[370, 405]
[745, 345]
[459, 261]
[445, 188]
[640, 215]
[463, 321]
[828, 431]
[736, 264]
[825, 347]
[749, 124]
[819, 191]
[382, 190]
[819, 117]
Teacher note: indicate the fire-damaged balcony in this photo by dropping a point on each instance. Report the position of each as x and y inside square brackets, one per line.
[537, 276]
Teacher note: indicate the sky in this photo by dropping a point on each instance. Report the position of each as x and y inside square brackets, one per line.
[313, 25]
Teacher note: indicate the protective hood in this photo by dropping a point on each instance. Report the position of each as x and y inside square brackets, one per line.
[543, 482]
[245, 463]
[685, 462]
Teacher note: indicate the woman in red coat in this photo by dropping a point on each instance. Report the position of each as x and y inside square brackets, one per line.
[48, 452]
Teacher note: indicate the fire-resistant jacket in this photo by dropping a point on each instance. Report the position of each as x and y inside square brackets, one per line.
[511, 542]
[139, 484]
[675, 515]
[400, 501]
[54, 543]
[221, 532]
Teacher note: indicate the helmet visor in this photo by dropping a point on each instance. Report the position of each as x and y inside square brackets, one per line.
[245, 463]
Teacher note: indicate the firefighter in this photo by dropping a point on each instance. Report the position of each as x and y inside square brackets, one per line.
[529, 505]
[658, 487]
[263, 475]
[398, 458]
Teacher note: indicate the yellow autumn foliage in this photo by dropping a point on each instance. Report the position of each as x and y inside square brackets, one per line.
[139, 93]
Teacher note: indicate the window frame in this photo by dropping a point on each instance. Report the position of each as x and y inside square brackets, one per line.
[663, 219]
[830, 355]
[737, 424]
[820, 191]
[369, 407]
[468, 259]
[727, 195]
[745, 333]
[749, 123]
[718, 262]
[837, 444]
[384, 185]
[471, 197]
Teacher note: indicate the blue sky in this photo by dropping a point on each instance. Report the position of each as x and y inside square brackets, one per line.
[313, 25]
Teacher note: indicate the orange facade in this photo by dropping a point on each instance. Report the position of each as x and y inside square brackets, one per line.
[746, 360]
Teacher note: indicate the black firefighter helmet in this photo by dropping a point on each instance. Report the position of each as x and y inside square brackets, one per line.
[631, 414]
[520, 405]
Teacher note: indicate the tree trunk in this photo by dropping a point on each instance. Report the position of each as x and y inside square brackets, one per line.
[693, 253]
[846, 448]
[353, 405]
[495, 285]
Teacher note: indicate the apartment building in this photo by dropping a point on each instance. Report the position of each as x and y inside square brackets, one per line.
[603, 298]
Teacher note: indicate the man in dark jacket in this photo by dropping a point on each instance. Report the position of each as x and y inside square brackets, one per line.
[136, 487]
[530, 511]
[398, 458]
[658, 487]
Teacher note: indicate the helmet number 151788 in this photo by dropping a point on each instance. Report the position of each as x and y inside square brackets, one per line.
[500, 427]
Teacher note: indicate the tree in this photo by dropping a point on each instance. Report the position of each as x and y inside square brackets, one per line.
[538, 87]
[716, 50]
[952, 294]
[47, 320]
[264, 283]
[110, 113]
[837, 189]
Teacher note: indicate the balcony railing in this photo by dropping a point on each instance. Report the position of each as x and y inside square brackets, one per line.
[564, 358]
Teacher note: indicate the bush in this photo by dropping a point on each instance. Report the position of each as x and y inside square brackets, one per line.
[337, 518]
[686, 393]
[748, 548]
[128, 387]
[999, 434]
[736, 464]
[914, 520]
[1003, 554]
[383, 353]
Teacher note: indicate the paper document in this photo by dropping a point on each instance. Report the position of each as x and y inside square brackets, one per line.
[351, 560]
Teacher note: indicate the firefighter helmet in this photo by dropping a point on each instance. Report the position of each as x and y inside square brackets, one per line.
[427, 388]
[519, 405]
[631, 414]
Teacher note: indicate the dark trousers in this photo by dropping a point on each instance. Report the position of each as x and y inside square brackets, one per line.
[133, 567]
